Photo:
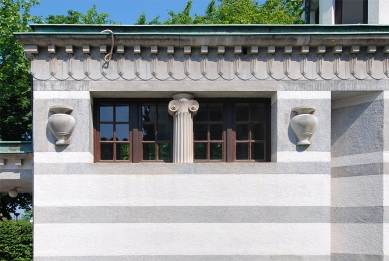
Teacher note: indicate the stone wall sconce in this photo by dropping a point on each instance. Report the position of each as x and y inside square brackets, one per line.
[61, 124]
[303, 124]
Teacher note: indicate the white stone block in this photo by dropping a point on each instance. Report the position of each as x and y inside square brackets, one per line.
[304, 49]
[288, 49]
[254, 49]
[357, 238]
[371, 49]
[103, 48]
[271, 49]
[338, 49]
[69, 48]
[2, 162]
[354, 49]
[120, 48]
[321, 49]
[184, 239]
[187, 49]
[204, 49]
[154, 49]
[18, 162]
[238, 49]
[170, 49]
[189, 190]
[137, 49]
[86, 48]
[51, 48]
[221, 49]
[31, 49]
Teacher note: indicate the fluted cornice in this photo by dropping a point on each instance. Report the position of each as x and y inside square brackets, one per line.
[221, 63]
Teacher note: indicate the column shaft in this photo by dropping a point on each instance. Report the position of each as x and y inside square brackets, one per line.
[183, 108]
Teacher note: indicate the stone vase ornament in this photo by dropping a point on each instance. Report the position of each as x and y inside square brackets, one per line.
[304, 124]
[61, 124]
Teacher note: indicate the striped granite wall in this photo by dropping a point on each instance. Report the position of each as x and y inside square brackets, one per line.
[357, 177]
[229, 211]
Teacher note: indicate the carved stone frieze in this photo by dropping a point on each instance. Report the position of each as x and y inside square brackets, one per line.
[220, 63]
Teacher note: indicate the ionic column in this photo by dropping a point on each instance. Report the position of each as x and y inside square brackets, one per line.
[183, 108]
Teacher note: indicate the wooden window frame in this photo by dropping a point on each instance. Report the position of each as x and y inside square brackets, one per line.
[136, 137]
[135, 128]
[229, 129]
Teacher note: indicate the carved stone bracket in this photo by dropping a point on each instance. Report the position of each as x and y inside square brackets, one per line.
[61, 123]
[183, 108]
[304, 124]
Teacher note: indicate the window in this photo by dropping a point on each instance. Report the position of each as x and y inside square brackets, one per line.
[351, 12]
[157, 132]
[114, 129]
[132, 130]
[209, 134]
[224, 130]
[237, 130]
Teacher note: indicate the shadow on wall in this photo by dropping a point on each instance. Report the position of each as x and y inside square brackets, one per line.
[358, 128]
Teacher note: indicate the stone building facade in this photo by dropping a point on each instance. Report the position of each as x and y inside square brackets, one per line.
[243, 142]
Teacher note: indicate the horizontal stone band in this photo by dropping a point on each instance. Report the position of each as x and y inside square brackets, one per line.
[182, 214]
[309, 168]
[187, 258]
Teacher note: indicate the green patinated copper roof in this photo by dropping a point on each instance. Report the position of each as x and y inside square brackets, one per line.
[15, 147]
[210, 29]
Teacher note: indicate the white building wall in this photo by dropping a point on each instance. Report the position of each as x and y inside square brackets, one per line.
[327, 12]
[293, 208]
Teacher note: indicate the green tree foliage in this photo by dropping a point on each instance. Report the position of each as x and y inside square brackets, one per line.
[8, 205]
[74, 17]
[236, 12]
[15, 79]
[15, 241]
[15, 82]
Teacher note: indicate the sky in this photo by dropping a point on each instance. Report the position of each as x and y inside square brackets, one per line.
[123, 11]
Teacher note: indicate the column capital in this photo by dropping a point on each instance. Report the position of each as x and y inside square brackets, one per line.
[183, 102]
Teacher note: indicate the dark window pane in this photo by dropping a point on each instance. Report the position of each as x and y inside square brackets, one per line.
[242, 151]
[106, 151]
[257, 112]
[164, 132]
[163, 114]
[258, 132]
[200, 150]
[164, 151]
[148, 151]
[106, 132]
[242, 112]
[200, 132]
[216, 131]
[122, 113]
[106, 113]
[122, 132]
[148, 113]
[258, 151]
[242, 131]
[201, 113]
[148, 132]
[122, 151]
[216, 113]
[216, 151]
